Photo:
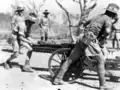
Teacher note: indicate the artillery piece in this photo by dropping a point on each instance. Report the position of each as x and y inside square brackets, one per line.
[59, 53]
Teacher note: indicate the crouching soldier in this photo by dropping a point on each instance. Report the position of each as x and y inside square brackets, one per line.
[91, 44]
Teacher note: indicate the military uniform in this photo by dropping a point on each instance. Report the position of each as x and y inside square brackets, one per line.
[116, 37]
[16, 25]
[14, 36]
[44, 23]
[23, 34]
[90, 44]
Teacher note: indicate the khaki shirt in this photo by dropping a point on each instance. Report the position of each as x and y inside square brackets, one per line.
[99, 24]
[18, 23]
[44, 21]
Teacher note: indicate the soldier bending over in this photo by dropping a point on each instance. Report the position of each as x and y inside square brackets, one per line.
[91, 44]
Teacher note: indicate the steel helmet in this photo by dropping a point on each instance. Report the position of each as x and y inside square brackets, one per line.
[112, 7]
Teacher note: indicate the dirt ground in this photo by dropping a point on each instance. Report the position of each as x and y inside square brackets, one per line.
[15, 79]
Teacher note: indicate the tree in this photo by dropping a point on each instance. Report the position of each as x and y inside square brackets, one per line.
[86, 6]
[30, 6]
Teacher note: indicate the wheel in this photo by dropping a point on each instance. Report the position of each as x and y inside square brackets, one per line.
[57, 58]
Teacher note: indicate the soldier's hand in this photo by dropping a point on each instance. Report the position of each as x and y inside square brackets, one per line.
[33, 41]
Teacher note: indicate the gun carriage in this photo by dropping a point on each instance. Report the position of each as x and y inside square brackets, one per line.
[59, 53]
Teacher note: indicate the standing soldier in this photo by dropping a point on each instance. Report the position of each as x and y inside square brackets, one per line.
[23, 36]
[45, 25]
[91, 44]
[116, 29]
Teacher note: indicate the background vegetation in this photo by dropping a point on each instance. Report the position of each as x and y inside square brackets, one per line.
[60, 22]
[57, 30]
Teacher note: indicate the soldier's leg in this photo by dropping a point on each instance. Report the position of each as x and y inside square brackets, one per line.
[14, 55]
[27, 67]
[29, 54]
[114, 40]
[118, 44]
[46, 33]
[101, 71]
[20, 47]
[42, 35]
[76, 53]
[46, 36]
[117, 40]
[20, 50]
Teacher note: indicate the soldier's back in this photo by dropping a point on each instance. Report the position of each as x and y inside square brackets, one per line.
[98, 23]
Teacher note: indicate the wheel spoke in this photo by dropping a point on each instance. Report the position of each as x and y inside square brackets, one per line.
[56, 60]
[55, 68]
[59, 57]
[64, 55]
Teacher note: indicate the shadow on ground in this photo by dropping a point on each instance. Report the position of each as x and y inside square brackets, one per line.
[15, 64]
[7, 50]
[46, 77]
[49, 78]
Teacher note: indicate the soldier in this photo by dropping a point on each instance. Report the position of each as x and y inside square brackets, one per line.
[91, 44]
[116, 29]
[15, 21]
[45, 25]
[25, 40]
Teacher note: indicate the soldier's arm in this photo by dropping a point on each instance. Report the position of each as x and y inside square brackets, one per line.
[116, 24]
[107, 30]
[32, 18]
[108, 26]
[85, 24]
[22, 38]
[104, 36]
[13, 23]
[28, 40]
[40, 22]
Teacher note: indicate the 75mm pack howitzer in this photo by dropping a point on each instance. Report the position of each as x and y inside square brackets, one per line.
[60, 52]
[50, 47]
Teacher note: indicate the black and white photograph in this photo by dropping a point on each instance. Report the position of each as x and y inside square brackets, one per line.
[60, 45]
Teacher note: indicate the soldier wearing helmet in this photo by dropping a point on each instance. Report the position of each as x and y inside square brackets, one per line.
[92, 44]
[113, 8]
[45, 25]
[21, 32]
